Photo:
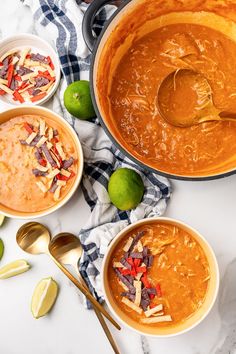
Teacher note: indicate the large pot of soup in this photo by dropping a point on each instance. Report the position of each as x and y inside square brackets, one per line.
[142, 43]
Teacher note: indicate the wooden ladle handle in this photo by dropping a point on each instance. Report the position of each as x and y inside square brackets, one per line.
[86, 293]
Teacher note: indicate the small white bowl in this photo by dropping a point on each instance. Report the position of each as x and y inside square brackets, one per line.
[181, 327]
[39, 46]
[52, 116]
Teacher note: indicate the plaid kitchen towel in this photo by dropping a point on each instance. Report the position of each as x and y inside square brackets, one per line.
[59, 21]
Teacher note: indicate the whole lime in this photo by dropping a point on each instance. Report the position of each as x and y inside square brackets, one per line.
[77, 100]
[125, 188]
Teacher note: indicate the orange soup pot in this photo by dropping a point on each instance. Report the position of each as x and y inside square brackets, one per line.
[143, 42]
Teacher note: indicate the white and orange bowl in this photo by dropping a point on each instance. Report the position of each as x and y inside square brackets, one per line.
[182, 327]
[65, 126]
[24, 40]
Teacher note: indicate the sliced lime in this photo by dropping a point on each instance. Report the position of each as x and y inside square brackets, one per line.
[1, 248]
[44, 297]
[14, 268]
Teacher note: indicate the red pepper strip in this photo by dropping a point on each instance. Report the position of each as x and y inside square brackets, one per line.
[137, 262]
[159, 292]
[10, 72]
[22, 86]
[130, 261]
[133, 272]
[18, 97]
[46, 75]
[151, 296]
[2, 92]
[43, 162]
[54, 149]
[61, 177]
[145, 281]
[141, 269]
[54, 140]
[125, 271]
[28, 127]
[152, 305]
[50, 63]
[38, 97]
[1, 64]
[28, 56]
[17, 77]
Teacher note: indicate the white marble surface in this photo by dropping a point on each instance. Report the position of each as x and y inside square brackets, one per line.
[70, 329]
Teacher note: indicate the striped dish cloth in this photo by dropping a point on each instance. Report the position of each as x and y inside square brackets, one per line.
[59, 22]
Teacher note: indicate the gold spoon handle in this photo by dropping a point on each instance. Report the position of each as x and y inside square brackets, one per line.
[86, 293]
[102, 321]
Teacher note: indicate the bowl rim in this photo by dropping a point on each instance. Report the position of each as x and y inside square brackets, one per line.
[190, 228]
[68, 196]
[115, 141]
[36, 38]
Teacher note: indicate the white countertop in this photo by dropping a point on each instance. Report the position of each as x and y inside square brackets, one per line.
[209, 207]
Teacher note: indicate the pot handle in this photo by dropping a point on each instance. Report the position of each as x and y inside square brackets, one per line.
[88, 20]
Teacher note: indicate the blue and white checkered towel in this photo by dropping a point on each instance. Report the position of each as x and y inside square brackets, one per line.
[59, 22]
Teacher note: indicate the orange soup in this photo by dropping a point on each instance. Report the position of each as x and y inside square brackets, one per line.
[198, 150]
[38, 163]
[158, 274]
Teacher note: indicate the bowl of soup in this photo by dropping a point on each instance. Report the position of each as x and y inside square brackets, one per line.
[41, 162]
[140, 46]
[160, 277]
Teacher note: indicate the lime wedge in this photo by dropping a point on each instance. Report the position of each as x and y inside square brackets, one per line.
[1, 248]
[2, 217]
[44, 297]
[14, 268]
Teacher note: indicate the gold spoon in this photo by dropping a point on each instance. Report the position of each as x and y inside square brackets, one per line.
[185, 99]
[67, 249]
[34, 238]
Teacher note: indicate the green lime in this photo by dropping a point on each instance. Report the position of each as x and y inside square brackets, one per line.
[77, 100]
[125, 188]
[1, 248]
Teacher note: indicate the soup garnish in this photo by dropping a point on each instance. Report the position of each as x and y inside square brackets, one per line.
[160, 274]
[26, 76]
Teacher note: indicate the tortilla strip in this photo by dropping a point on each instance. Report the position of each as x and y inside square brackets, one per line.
[50, 134]
[131, 305]
[56, 194]
[31, 138]
[42, 168]
[138, 287]
[123, 285]
[6, 89]
[41, 186]
[139, 246]
[29, 76]
[42, 126]
[61, 183]
[138, 276]
[53, 173]
[117, 265]
[41, 141]
[65, 172]
[12, 51]
[4, 82]
[158, 319]
[60, 151]
[23, 55]
[128, 244]
[155, 309]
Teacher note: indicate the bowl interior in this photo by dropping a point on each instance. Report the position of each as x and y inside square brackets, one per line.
[134, 21]
[38, 45]
[59, 122]
[192, 321]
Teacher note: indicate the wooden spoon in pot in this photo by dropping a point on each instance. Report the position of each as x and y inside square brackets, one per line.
[185, 99]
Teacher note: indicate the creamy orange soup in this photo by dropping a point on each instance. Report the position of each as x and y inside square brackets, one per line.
[170, 268]
[30, 181]
[197, 150]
